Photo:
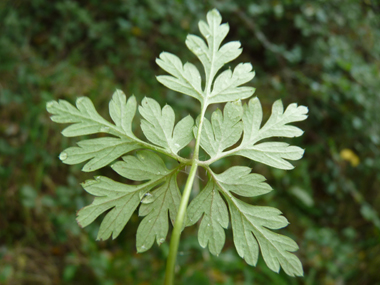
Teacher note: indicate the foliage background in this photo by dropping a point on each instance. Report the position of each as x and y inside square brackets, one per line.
[322, 54]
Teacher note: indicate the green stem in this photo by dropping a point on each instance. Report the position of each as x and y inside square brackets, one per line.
[178, 225]
[181, 215]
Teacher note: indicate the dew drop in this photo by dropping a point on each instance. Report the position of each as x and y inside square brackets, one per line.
[63, 156]
[176, 145]
[158, 173]
[207, 36]
[142, 247]
[162, 240]
[97, 177]
[148, 198]
[208, 225]
[104, 129]
[149, 221]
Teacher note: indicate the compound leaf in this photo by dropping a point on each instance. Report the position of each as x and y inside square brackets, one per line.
[209, 204]
[187, 79]
[85, 120]
[158, 191]
[276, 126]
[211, 55]
[158, 125]
[155, 226]
[122, 199]
[250, 226]
[273, 154]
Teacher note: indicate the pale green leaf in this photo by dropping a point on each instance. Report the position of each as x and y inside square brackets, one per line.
[100, 151]
[155, 226]
[241, 181]
[122, 112]
[273, 154]
[211, 206]
[251, 225]
[144, 166]
[84, 117]
[223, 131]
[212, 56]
[185, 79]
[158, 125]
[276, 126]
[122, 199]
[85, 120]
[182, 134]
[158, 191]
[226, 84]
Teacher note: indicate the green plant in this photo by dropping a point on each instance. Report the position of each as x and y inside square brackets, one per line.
[158, 195]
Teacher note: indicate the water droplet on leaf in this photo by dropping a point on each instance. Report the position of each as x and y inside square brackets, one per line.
[63, 156]
[104, 129]
[162, 240]
[148, 198]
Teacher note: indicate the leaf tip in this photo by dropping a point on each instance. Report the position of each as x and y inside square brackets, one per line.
[78, 220]
[50, 105]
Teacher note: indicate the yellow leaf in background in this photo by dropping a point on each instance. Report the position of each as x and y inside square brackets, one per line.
[350, 156]
[136, 31]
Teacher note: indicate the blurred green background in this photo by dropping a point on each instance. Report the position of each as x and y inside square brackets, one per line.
[322, 54]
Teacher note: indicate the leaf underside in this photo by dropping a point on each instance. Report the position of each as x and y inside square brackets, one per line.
[237, 130]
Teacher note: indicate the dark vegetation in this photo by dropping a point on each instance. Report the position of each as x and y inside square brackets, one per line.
[322, 54]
